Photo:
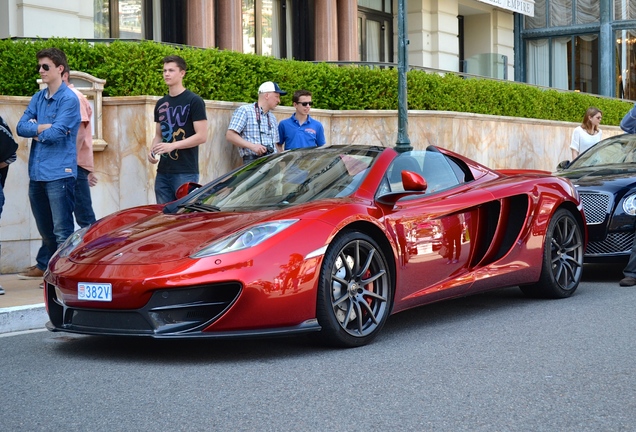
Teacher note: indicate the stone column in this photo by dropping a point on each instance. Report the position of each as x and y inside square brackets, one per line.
[200, 23]
[326, 22]
[433, 29]
[504, 38]
[230, 32]
[348, 30]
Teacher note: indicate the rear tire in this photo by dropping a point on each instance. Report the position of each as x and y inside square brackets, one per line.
[562, 266]
[354, 291]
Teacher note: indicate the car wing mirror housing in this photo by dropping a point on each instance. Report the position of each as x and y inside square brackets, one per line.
[186, 188]
[563, 165]
[412, 182]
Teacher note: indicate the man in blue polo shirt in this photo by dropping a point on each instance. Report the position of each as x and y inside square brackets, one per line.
[300, 130]
[51, 120]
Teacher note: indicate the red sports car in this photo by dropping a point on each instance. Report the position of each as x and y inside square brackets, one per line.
[329, 240]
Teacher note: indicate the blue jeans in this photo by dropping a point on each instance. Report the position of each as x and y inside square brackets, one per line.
[52, 204]
[166, 185]
[84, 214]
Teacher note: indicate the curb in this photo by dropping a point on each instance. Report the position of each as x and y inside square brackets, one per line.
[21, 318]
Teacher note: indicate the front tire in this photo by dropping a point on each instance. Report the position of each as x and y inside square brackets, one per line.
[562, 258]
[354, 292]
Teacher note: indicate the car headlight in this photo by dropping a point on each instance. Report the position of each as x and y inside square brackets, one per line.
[72, 242]
[629, 205]
[245, 239]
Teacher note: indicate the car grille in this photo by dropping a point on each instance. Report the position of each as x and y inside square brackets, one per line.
[620, 242]
[595, 207]
[168, 312]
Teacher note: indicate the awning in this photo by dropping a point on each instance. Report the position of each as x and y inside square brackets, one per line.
[525, 7]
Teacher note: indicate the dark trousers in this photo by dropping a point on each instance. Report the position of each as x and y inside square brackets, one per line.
[84, 214]
[630, 269]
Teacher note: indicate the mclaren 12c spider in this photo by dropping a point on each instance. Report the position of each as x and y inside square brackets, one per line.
[330, 240]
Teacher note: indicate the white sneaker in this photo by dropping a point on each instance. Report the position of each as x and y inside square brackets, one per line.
[1, 290]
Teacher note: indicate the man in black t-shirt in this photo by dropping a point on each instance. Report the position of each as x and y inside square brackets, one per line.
[182, 126]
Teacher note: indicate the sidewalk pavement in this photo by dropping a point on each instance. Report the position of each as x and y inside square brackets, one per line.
[22, 305]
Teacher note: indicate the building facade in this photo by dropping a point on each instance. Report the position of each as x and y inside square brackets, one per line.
[472, 36]
[581, 45]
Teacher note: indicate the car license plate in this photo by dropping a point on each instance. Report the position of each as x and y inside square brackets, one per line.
[94, 292]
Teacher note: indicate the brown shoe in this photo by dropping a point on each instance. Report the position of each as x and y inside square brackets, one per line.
[628, 281]
[32, 273]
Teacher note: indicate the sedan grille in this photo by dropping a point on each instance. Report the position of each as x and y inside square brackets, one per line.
[595, 207]
[619, 242]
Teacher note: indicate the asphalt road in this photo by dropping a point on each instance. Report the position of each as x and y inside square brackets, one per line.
[491, 362]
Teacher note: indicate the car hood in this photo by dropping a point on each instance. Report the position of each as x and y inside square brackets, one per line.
[609, 178]
[162, 238]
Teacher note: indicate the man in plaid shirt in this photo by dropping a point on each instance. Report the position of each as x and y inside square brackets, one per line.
[253, 127]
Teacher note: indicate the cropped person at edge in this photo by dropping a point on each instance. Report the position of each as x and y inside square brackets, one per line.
[628, 125]
[7, 143]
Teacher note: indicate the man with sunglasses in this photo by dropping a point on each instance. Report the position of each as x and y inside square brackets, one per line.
[51, 121]
[300, 130]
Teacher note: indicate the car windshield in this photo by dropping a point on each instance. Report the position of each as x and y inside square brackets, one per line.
[292, 177]
[615, 150]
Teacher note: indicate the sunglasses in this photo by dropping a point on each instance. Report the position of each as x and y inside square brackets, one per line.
[305, 103]
[43, 66]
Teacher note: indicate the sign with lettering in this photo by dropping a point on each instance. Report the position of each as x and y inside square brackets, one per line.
[525, 7]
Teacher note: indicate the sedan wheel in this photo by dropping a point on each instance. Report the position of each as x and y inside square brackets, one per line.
[562, 258]
[354, 295]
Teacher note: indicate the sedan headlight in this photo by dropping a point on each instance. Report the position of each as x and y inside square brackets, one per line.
[245, 239]
[72, 242]
[629, 205]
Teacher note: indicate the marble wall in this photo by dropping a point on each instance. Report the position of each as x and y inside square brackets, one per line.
[126, 179]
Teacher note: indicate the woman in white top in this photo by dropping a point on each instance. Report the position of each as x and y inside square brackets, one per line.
[588, 134]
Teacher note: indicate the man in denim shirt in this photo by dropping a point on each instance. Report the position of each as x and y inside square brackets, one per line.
[51, 120]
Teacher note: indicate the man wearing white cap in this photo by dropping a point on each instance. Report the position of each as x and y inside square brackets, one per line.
[253, 127]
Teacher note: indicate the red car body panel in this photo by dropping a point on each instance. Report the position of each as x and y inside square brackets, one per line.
[143, 251]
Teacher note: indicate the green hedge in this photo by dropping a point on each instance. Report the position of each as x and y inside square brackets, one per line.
[134, 68]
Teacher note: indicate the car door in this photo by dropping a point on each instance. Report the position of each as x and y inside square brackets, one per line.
[434, 231]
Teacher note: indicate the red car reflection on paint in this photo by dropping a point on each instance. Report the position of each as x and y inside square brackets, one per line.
[330, 240]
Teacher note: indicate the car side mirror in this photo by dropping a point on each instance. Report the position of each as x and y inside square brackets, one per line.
[412, 182]
[186, 188]
[563, 165]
